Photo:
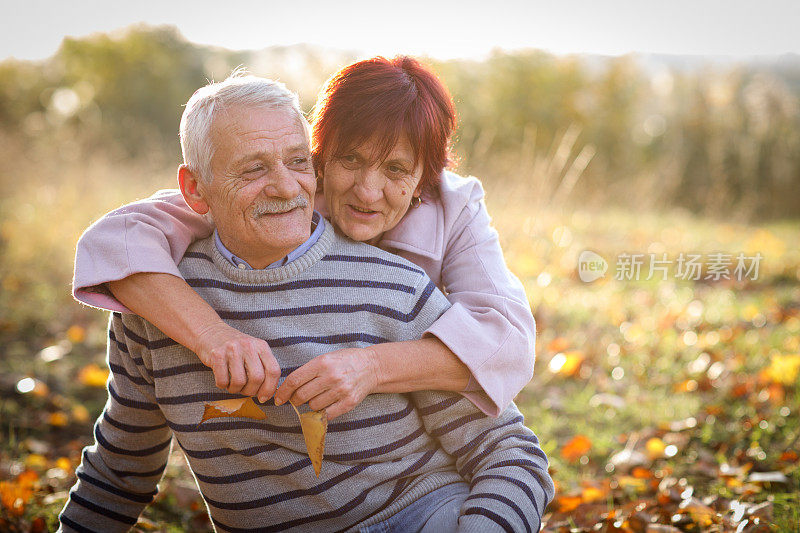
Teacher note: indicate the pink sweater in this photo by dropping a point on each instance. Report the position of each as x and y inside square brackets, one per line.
[489, 326]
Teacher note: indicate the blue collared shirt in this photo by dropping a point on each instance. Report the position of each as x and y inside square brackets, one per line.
[316, 231]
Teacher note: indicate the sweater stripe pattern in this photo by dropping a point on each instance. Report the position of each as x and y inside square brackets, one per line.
[255, 475]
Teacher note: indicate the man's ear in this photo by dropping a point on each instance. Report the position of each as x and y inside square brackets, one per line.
[190, 185]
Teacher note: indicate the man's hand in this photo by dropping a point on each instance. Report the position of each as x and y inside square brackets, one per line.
[335, 381]
[241, 363]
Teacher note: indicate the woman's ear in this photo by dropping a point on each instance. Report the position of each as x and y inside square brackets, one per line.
[191, 189]
[320, 180]
[418, 190]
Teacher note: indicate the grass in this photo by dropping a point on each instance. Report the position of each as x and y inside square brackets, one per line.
[676, 371]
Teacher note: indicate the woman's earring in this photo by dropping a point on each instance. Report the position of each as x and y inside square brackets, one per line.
[416, 201]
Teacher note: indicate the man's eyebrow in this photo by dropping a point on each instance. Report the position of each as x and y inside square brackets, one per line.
[301, 147]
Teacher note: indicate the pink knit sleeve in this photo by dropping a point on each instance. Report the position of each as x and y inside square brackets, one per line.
[150, 235]
[490, 326]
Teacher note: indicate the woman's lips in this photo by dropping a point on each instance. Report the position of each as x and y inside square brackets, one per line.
[360, 213]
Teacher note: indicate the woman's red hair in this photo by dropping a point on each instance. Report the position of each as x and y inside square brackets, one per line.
[383, 99]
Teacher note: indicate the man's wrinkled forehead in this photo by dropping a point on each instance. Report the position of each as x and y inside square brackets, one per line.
[238, 119]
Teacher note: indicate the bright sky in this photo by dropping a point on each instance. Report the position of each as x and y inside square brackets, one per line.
[33, 29]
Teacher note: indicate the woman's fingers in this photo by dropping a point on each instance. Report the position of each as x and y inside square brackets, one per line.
[295, 380]
[323, 401]
[339, 408]
[339, 379]
[309, 390]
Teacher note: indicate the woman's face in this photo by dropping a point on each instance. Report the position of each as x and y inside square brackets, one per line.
[365, 200]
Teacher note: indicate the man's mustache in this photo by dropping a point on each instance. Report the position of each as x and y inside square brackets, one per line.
[270, 207]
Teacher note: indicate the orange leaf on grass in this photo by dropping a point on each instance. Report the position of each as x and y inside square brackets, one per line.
[14, 495]
[76, 334]
[58, 419]
[641, 473]
[567, 363]
[27, 479]
[567, 503]
[559, 344]
[244, 407]
[592, 493]
[789, 456]
[578, 446]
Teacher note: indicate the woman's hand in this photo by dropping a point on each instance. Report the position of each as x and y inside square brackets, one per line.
[241, 363]
[335, 381]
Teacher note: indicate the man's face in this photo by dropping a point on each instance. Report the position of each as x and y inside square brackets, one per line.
[262, 192]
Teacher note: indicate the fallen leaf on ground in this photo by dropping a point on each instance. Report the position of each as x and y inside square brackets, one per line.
[567, 363]
[93, 376]
[559, 344]
[567, 503]
[578, 446]
[244, 407]
[314, 425]
[14, 495]
[703, 515]
[783, 369]
[655, 448]
[76, 334]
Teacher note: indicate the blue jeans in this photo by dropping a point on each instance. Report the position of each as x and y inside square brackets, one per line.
[436, 512]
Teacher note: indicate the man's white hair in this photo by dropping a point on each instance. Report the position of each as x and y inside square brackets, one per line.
[239, 89]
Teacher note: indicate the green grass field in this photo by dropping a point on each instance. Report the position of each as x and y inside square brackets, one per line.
[671, 402]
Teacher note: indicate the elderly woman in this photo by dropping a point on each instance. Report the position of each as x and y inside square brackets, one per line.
[380, 142]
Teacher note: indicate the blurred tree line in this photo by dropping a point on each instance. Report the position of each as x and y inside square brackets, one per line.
[719, 140]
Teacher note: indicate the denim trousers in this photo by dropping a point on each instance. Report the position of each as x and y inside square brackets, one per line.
[436, 512]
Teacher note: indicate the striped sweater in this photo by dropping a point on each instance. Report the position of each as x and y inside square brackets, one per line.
[254, 475]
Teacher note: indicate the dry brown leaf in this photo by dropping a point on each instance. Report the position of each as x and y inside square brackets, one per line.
[661, 528]
[244, 407]
[702, 514]
[314, 425]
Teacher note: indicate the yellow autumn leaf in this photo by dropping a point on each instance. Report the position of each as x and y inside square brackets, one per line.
[36, 460]
[64, 464]
[655, 448]
[314, 425]
[783, 369]
[58, 419]
[593, 494]
[244, 407]
[93, 376]
[76, 334]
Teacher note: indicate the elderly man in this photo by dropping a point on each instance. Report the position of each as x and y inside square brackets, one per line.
[398, 462]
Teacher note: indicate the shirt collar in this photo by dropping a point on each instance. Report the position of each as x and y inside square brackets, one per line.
[316, 231]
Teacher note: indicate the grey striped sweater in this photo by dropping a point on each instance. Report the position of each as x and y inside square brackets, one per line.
[254, 475]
